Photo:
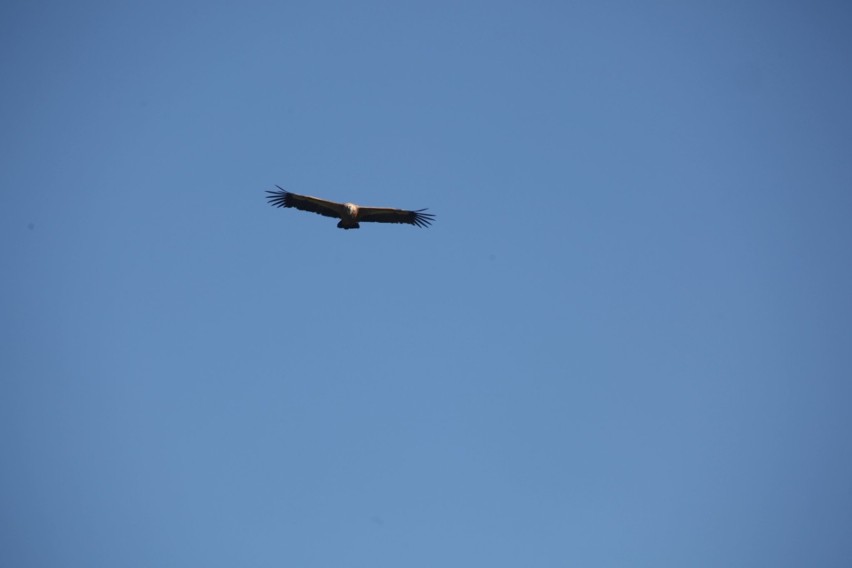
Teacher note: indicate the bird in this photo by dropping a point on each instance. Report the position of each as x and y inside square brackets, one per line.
[350, 215]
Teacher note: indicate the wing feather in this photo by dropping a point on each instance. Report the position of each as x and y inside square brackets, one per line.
[284, 198]
[388, 215]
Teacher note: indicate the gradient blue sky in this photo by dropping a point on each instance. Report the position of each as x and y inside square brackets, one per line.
[626, 340]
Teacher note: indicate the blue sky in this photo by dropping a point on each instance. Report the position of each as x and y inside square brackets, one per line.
[625, 341]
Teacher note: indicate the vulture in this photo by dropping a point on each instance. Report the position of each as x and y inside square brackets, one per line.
[350, 215]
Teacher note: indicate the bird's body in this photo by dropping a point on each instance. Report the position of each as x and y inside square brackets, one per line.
[350, 215]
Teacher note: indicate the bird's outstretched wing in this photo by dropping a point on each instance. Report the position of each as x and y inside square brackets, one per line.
[284, 198]
[387, 215]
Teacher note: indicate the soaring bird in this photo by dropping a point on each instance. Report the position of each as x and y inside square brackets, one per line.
[350, 215]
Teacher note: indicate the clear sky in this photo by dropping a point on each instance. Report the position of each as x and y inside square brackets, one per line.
[625, 341]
